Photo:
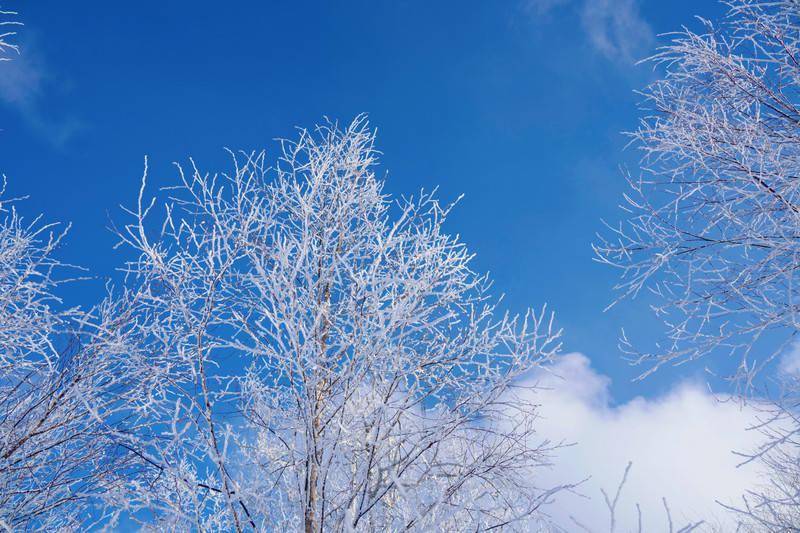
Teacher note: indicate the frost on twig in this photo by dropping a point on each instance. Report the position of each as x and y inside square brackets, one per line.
[612, 506]
[8, 34]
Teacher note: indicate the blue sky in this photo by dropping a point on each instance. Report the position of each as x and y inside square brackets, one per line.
[518, 104]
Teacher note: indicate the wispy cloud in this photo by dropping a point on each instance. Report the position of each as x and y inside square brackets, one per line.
[614, 28]
[790, 360]
[681, 446]
[543, 7]
[25, 82]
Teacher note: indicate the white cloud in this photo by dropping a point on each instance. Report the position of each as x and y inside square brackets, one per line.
[614, 28]
[680, 445]
[20, 80]
[24, 82]
[790, 360]
[543, 7]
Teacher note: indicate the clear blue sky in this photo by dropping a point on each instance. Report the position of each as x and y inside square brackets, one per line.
[518, 104]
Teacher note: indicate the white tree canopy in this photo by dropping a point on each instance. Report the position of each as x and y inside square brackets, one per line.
[375, 377]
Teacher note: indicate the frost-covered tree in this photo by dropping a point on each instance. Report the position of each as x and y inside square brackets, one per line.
[323, 358]
[62, 388]
[715, 216]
